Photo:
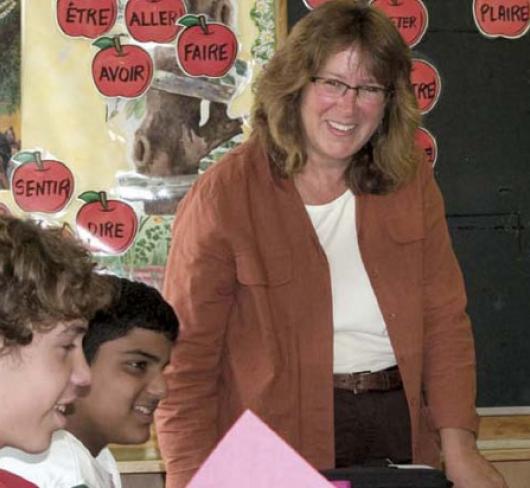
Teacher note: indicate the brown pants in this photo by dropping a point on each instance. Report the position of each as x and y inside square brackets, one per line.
[371, 427]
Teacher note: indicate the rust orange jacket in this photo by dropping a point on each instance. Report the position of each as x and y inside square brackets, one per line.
[250, 283]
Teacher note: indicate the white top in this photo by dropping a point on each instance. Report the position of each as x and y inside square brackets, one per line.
[67, 463]
[360, 339]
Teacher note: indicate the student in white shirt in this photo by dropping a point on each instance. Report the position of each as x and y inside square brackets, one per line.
[127, 347]
[49, 291]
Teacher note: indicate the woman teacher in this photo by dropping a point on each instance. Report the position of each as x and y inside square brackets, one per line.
[313, 273]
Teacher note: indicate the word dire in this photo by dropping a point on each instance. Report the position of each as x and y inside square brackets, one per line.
[90, 16]
[404, 22]
[426, 91]
[122, 73]
[33, 188]
[107, 229]
[207, 52]
[505, 14]
[154, 18]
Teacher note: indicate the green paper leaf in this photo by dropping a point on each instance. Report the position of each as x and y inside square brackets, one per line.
[24, 157]
[189, 20]
[103, 42]
[89, 196]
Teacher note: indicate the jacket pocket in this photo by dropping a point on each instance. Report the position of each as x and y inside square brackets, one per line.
[271, 269]
[406, 237]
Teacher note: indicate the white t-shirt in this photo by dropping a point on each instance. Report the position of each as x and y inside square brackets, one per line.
[360, 339]
[66, 464]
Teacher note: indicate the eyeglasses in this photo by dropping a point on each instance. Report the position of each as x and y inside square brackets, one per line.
[331, 87]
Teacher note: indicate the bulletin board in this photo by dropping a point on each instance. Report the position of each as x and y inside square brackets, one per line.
[124, 104]
[471, 76]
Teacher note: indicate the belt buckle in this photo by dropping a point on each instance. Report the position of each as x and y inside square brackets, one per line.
[356, 382]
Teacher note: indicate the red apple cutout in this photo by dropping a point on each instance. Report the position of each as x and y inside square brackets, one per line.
[205, 48]
[86, 18]
[154, 20]
[502, 18]
[107, 226]
[426, 141]
[311, 4]
[41, 185]
[121, 70]
[426, 83]
[409, 16]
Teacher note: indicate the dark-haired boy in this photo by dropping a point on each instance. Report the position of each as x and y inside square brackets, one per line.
[127, 347]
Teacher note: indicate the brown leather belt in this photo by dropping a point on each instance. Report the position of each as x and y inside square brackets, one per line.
[385, 380]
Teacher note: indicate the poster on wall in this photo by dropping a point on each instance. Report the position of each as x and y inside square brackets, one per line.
[136, 102]
[9, 86]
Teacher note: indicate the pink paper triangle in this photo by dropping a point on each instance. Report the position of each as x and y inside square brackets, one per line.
[252, 455]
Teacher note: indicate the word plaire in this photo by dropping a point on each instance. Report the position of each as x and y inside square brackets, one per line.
[124, 74]
[206, 52]
[496, 13]
[107, 229]
[146, 19]
[89, 16]
[33, 188]
[405, 22]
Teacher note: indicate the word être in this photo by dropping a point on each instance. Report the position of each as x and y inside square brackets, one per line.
[86, 15]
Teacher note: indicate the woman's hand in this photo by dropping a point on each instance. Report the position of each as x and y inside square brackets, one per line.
[464, 465]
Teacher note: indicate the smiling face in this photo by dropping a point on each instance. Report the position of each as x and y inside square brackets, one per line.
[336, 128]
[127, 384]
[38, 381]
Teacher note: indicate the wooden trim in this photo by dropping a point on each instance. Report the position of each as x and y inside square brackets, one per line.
[505, 437]
[497, 455]
[515, 427]
[146, 467]
[502, 411]
[281, 21]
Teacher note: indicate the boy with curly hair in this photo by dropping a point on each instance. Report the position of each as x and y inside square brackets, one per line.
[49, 293]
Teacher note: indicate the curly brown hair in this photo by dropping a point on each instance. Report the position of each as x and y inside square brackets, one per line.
[45, 278]
[391, 157]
